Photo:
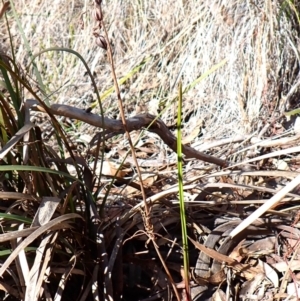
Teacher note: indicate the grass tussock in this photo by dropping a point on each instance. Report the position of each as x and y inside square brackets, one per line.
[84, 218]
[178, 40]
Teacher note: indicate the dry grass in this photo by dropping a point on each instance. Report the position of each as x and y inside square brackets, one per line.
[184, 40]
[242, 100]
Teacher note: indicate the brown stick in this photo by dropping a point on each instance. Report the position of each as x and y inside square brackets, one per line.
[148, 121]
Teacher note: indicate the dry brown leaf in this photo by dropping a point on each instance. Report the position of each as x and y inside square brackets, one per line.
[217, 278]
[245, 270]
[15, 139]
[212, 253]
[249, 287]
[249, 270]
[141, 155]
[239, 252]
[149, 179]
[17, 196]
[110, 168]
[262, 246]
[36, 275]
[194, 133]
[33, 236]
[45, 211]
[21, 262]
[269, 272]
[128, 191]
[26, 232]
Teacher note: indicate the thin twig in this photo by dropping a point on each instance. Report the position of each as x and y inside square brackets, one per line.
[122, 113]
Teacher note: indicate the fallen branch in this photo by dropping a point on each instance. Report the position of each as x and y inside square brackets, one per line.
[148, 121]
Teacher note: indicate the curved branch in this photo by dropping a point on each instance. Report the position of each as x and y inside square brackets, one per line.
[148, 121]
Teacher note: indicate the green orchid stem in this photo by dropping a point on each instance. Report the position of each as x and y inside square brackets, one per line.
[181, 198]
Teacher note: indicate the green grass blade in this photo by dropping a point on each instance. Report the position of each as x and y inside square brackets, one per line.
[19, 218]
[292, 113]
[61, 49]
[4, 70]
[205, 75]
[181, 197]
[8, 252]
[37, 169]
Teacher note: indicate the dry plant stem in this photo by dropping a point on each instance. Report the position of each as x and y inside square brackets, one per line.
[167, 271]
[288, 273]
[205, 145]
[276, 142]
[268, 205]
[149, 227]
[109, 52]
[294, 149]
